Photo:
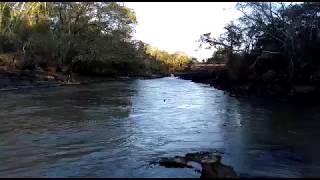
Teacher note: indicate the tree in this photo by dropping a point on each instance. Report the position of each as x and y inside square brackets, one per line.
[284, 36]
[219, 56]
[231, 40]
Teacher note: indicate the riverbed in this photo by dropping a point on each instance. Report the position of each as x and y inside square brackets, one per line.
[116, 128]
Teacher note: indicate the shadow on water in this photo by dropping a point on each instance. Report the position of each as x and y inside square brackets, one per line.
[275, 139]
[115, 129]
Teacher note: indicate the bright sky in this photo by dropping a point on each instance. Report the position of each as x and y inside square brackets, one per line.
[175, 26]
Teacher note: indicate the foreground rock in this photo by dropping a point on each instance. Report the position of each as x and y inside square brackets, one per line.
[209, 164]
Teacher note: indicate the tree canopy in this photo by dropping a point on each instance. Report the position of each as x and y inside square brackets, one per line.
[85, 37]
[288, 32]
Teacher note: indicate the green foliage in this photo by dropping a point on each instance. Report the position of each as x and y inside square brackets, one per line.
[91, 38]
[287, 30]
[177, 61]
[219, 56]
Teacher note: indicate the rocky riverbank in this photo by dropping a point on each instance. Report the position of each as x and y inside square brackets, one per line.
[14, 79]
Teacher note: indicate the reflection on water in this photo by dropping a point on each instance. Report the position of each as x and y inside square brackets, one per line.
[115, 129]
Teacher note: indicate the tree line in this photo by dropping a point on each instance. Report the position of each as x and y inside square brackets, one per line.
[89, 38]
[271, 43]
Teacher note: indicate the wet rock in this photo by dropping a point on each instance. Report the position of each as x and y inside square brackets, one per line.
[176, 162]
[217, 170]
[209, 163]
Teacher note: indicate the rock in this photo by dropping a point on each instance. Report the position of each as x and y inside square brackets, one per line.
[209, 164]
[172, 163]
[217, 170]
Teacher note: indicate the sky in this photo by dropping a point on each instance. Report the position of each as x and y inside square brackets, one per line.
[176, 26]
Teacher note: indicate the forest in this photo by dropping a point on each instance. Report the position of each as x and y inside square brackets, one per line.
[272, 49]
[86, 38]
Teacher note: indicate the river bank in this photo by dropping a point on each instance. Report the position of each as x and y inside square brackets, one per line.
[14, 79]
[266, 85]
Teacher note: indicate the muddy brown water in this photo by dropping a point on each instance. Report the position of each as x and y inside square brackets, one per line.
[116, 128]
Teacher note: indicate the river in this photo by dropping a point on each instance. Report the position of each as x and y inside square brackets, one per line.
[116, 128]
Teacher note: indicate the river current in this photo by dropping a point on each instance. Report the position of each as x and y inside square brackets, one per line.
[116, 128]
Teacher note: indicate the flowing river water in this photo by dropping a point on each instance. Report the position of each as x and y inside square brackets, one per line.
[116, 128]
